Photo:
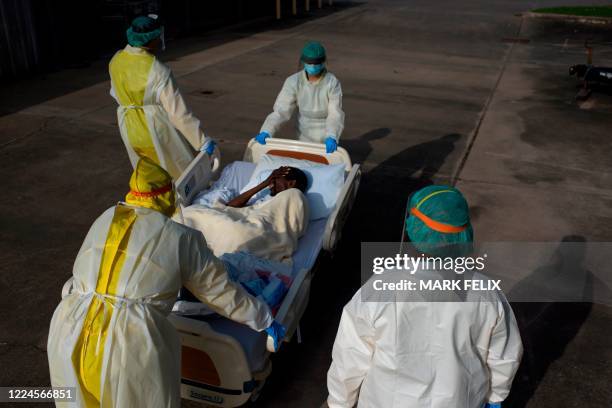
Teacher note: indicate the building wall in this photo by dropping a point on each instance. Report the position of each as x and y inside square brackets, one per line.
[18, 45]
[47, 35]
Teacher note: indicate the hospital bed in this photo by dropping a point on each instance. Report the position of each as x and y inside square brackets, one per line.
[224, 363]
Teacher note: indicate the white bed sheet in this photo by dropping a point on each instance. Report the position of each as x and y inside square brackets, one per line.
[236, 176]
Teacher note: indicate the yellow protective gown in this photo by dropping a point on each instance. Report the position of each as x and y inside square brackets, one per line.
[319, 106]
[153, 118]
[397, 354]
[110, 337]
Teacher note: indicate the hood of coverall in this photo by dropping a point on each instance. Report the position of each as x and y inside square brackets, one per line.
[143, 30]
[313, 53]
[151, 187]
[439, 222]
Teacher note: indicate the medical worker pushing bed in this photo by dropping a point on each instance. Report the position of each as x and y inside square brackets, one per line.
[317, 95]
[153, 118]
[426, 354]
[110, 337]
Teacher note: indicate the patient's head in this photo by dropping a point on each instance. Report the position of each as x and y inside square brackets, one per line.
[291, 177]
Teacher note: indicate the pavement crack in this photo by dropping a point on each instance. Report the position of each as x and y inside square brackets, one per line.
[41, 128]
[485, 109]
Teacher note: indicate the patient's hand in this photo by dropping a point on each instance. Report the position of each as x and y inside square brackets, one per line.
[280, 172]
[243, 199]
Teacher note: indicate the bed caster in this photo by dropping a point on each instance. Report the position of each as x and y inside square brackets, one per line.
[260, 377]
[255, 394]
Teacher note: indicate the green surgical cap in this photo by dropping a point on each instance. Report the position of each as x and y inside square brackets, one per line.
[313, 53]
[143, 30]
[444, 205]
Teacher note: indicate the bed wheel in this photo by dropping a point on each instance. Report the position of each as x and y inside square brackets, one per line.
[255, 394]
[261, 378]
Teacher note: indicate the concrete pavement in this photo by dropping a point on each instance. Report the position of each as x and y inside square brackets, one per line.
[432, 92]
[539, 170]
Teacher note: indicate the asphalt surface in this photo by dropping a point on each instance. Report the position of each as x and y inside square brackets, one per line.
[433, 92]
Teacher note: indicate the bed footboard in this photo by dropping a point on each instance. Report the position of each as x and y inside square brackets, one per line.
[214, 367]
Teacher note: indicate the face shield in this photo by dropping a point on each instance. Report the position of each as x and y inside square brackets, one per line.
[162, 37]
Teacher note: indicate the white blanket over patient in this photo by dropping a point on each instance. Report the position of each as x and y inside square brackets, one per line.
[268, 230]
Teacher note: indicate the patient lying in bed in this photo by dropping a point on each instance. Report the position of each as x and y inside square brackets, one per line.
[268, 229]
[278, 181]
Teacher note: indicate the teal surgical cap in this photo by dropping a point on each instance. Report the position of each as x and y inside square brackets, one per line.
[143, 30]
[438, 223]
[313, 53]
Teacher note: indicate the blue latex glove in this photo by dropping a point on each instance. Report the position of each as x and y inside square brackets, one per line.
[209, 147]
[277, 332]
[331, 145]
[261, 138]
[493, 405]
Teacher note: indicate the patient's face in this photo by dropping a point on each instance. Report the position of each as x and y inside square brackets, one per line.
[281, 184]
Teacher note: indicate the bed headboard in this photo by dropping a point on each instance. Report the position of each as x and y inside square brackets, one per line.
[298, 155]
[298, 150]
[197, 176]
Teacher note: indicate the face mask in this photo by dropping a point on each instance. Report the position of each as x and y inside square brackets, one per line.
[313, 69]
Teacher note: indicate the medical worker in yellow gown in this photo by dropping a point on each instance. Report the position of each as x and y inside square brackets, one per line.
[153, 118]
[109, 337]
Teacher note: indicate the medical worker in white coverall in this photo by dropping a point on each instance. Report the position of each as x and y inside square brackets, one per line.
[154, 120]
[109, 338]
[398, 350]
[317, 95]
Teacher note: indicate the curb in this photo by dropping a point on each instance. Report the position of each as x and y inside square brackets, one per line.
[570, 18]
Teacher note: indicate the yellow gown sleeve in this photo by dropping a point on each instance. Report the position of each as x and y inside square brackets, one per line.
[181, 117]
[206, 277]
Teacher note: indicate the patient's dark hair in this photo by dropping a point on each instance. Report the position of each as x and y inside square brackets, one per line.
[301, 182]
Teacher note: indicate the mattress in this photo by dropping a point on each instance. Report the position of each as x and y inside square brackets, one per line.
[235, 176]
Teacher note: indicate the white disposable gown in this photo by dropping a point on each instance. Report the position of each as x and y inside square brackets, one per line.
[392, 354]
[154, 119]
[139, 348]
[319, 106]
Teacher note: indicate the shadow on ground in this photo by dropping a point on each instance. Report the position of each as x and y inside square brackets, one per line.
[385, 189]
[548, 327]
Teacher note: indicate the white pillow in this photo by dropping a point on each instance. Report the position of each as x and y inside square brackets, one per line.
[324, 181]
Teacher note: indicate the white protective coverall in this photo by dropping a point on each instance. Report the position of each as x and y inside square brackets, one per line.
[153, 118]
[319, 106]
[110, 337]
[392, 354]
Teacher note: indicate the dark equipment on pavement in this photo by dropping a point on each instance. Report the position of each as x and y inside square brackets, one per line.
[592, 76]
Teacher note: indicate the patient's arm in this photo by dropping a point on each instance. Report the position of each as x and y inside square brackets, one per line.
[243, 199]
